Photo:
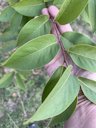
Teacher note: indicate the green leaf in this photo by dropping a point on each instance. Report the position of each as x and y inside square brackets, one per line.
[6, 80]
[58, 3]
[7, 14]
[25, 19]
[59, 99]
[11, 2]
[85, 15]
[7, 36]
[8, 46]
[29, 7]
[19, 82]
[70, 10]
[15, 23]
[52, 82]
[65, 115]
[12, 31]
[70, 39]
[84, 56]
[92, 13]
[34, 28]
[89, 89]
[33, 54]
[47, 0]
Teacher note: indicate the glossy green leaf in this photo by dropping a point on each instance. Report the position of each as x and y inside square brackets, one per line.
[34, 28]
[88, 88]
[70, 10]
[19, 82]
[29, 7]
[33, 54]
[70, 39]
[7, 14]
[52, 82]
[84, 56]
[92, 13]
[65, 115]
[6, 80]
[59, 99]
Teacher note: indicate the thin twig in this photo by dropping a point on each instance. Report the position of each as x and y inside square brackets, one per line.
[12, 121]
[60, 43]
[49, 123]
[22, 104]
[58, 38]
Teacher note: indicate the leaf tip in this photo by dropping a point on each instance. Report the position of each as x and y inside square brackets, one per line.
[28, 122]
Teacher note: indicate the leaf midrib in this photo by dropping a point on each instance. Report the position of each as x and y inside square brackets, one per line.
[35, 51]
[53, 94]
[33, 29]
[60, 87]
[77, 54]
[86, 85]
[39, 26]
